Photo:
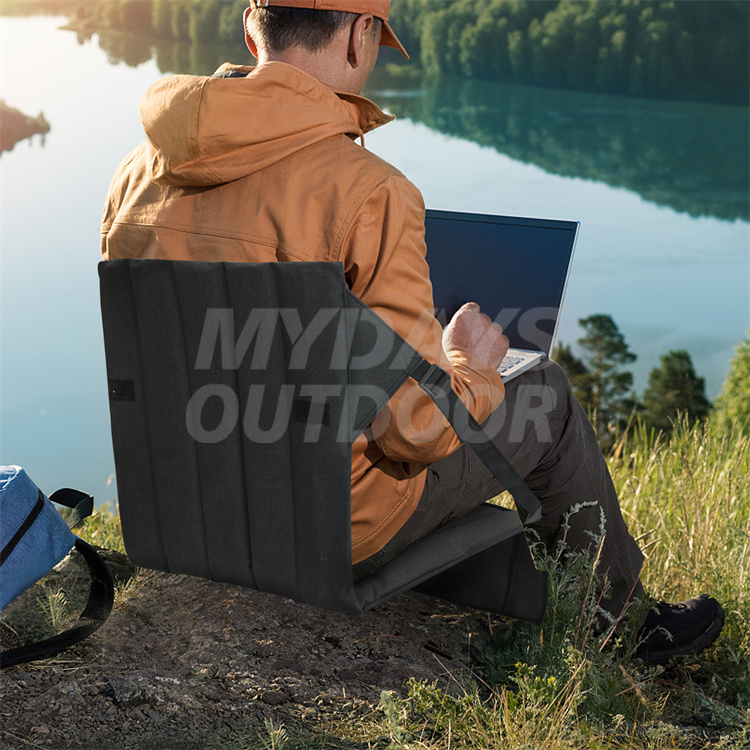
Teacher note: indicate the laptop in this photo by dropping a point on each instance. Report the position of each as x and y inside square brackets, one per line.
[516, 269]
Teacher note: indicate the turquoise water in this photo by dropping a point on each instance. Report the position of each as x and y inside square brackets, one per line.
[660, 189]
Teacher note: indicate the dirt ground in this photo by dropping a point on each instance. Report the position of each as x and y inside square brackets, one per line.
[187, 663]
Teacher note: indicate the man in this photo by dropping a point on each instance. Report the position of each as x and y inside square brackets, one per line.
[263, 164]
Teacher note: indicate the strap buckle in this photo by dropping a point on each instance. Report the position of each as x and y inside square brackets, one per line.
[435, 381]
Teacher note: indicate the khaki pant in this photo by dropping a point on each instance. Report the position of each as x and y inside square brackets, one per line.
[545, 434]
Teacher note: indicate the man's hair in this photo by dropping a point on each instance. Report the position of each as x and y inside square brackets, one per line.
[278, 28]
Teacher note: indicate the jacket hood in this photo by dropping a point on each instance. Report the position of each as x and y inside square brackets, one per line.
[212, 130]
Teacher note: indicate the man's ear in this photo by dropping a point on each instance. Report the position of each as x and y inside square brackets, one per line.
[359, 33]
[248, 39]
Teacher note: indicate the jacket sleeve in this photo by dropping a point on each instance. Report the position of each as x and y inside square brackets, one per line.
[384, 261]
[117, 195]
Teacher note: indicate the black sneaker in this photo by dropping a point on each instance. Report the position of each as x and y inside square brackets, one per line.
[682, 629]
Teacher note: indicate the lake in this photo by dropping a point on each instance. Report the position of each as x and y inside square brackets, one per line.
[660, 189]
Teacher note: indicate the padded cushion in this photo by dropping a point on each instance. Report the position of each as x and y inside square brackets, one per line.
[236, 391]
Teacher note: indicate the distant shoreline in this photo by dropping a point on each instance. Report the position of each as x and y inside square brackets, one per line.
[16, 126]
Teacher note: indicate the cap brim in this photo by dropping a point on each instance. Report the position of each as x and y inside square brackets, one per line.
[389, 39]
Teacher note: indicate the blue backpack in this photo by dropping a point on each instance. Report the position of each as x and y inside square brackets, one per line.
[33, 539]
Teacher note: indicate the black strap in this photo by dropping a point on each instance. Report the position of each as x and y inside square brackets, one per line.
[98, 607]
[81, 504]
[437, 384]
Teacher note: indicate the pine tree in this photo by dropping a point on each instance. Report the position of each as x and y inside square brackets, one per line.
[577, 373]
[674, 390]
[605, 353]
[732, 409]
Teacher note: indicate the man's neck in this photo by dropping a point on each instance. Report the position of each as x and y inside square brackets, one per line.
[318, 66]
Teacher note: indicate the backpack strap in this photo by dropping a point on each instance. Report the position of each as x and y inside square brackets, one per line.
[436, 383]
[79, 502]
[98, 607]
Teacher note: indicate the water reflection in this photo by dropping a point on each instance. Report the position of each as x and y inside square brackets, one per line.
[15, 127]
[667, 152]
[170, 56]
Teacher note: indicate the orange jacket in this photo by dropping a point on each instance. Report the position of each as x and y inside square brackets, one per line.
[265, 167]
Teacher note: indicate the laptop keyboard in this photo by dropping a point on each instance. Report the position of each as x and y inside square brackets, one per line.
[511, 359]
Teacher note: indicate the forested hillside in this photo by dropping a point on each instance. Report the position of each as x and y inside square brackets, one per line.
[686, 49]
[695, 49]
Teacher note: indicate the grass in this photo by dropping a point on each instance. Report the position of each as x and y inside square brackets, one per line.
[562, 685]
[103, 529]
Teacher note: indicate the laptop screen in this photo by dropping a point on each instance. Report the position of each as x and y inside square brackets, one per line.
[515, 269]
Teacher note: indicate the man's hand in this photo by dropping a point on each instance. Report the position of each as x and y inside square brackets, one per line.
[471, 331]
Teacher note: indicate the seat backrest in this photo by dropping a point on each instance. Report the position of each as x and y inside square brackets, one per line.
[236, 391]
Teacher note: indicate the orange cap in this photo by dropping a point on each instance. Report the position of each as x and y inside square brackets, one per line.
[378, 8]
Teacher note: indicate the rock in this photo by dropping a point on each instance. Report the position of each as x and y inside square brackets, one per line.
[274, 697]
